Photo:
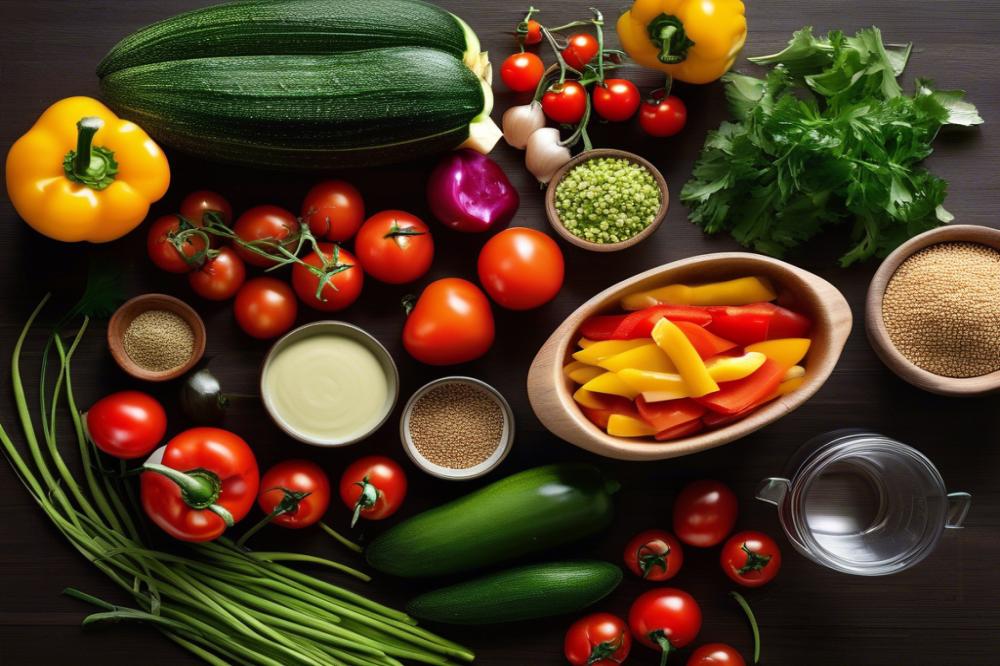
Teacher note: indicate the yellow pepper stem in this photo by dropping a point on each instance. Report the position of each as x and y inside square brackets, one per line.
[667, 32]
[90, 165]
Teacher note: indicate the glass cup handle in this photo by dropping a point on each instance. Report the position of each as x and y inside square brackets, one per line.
[958, 509]
[773, 490]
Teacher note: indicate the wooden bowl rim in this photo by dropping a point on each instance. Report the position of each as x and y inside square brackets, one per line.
[131, 309]
[875, 328]
[557, 225]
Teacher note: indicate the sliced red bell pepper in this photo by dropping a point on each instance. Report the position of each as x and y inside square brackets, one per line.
[682, 430]
[786, 323]
[613, 404]
[743, 324]
[639, 324]
[734, 397]
[706, 343]
[668, 413]
[601, 327]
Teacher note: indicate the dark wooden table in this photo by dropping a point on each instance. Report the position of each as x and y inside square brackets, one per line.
[943, 612]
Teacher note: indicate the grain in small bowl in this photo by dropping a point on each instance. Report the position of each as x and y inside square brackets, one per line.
[156, 337]
[457, 428]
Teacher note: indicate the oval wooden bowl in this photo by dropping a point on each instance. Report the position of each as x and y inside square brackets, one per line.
[557, 225]
[124, 315]
[878, 336]
[551, 392]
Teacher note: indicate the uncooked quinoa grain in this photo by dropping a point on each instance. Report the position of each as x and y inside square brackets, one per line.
[456, 425]
[159, 340]
[941, 309]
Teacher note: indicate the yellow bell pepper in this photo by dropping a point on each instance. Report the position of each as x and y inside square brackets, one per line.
[583, 343]
[623, 425]
[789, 385]
[741, 291]
[731, 368]
[695, 41]
[83, 174]
[581, 373]
[685, 357]
[794, 372]
[587, 398]
[610, 383]
[784, 351]
[661, 384]
[598, 351]
[646, 357]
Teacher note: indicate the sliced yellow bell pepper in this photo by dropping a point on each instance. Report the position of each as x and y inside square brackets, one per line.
[685, 357]
[598, 351]
[794, 372]
[647, 357]
[731, 368]
[581, 373]
[784, 351]
[612, 384]
[741, 291]
[588, 399]
[661, 384]
[583, 343]
[789, 385]
[645, 381]
[622, 425]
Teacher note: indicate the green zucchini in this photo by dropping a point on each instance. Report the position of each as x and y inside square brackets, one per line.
[524, 513]
[525, 593]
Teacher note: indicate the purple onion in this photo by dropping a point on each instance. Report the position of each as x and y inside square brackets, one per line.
[470, 192]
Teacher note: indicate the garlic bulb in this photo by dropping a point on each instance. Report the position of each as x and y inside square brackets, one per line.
[545, 155]
[520, 122]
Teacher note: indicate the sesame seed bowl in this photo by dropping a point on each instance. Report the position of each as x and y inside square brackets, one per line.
[156, 337]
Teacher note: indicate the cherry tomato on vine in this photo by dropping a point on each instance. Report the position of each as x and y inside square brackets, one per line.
[451, 322]
[373, 487]
[654, 555]
[265, 223]
[580, 49]
[616, 100]
[752, 559]
[395, 247]
[662, 116]
[195, 205]
[341, 288]
[265, 307]
[309, 489]
[599, 639]
[164, 254]
[704, 513]
[521, 268]
[127, 424]
[716, 654]
[532, 33]
[220, 277]
[665, 619]
[565, 102]
[521, 72]
[334, 210]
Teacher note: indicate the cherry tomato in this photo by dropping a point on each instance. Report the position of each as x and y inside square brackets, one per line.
[127, 424]
[600, 639]
[532, 33]
[195, 205]
[373, 487]
[580, 49]
[616, 100]
[164, 254]
[715, 654]
[565, 102]
[521, 268]
[752, 559]
[395, 247]
[450, 323]
[334, 210]
[220, 277]
[521, 72]
[341, 288]
[654, 555]
[308, 493]
[265, 223]
[662, 116]
[265, 307]
[665, 618]
[704, 513]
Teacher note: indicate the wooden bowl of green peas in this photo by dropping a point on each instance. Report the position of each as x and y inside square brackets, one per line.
[605, 200]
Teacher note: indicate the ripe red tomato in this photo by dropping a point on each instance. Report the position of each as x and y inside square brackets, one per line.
[565, 102]
[395, 247]
[665, 618]
[521, 72]
[532, 33]
[270, 223]
[333, 210]
[616, 100]
[308, 489]
[580, 49]
[599, 639]
[752, 559]
[451, 323]
[704, 513]
[195, 205]
[373, 487]
[265, 307]
[220, 277]
[662, 116]
[164, 254]
[654, 555]
[341, 288]
[715, 654]
[127, 424]
[521, 268]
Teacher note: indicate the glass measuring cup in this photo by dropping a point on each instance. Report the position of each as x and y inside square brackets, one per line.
[862, 503]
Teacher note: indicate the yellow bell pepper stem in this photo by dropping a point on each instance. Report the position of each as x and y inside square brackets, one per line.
[685, 357]
[90, 165]
[741, 291]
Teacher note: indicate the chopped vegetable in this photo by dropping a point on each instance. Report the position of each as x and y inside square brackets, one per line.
[786, 352]
[734, 397]
[614, 384]
[668, 414]
[581, 373]
[740, 291]
[745, 324]
[594, 353]
[683, 354]
[640, 324]
[623, 425]
[706, 343]
[647, 357]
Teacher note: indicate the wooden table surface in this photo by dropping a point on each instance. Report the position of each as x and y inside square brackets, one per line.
[945, 611]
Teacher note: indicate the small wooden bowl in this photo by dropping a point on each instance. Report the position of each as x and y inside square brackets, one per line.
[557, 225]
[551, 392]
[878, 336]
[124, 315]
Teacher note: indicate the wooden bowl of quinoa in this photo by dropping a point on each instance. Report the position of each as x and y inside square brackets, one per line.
[156, 337]
[614, 200]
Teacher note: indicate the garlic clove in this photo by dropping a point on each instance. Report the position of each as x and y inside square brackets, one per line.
[544, 154]
[520, 122]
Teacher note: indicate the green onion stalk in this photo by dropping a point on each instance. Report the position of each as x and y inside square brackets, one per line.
[222, 603]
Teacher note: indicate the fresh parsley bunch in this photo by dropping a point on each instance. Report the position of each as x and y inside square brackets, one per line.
[828, 137]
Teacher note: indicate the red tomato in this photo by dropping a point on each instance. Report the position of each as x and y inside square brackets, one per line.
[308, 493]
[269, 223]
[715, 654]
[373, 487]
[665, 618]
[599, 639]
[752, 559]
[532, 32]
[451, 323]
[127, 424]
[565, 102]
[521, 268]
[265, 307]
[195, 205]
[521, 72]
[580, 49]
[395, 247]
[616, 100]
[661, 116]
[164, 254]
[704, 513]
[333, 210]
[341, 288]
[654, 555]
[220, 277]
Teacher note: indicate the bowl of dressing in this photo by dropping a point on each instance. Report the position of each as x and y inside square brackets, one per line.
[329, 383]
